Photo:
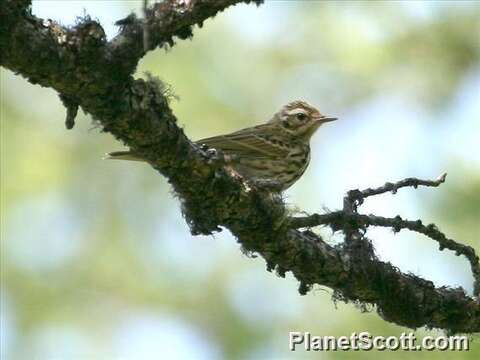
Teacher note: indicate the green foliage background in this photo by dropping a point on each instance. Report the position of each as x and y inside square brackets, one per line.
[97, 262]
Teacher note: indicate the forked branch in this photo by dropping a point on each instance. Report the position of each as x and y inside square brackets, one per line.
[339, 220]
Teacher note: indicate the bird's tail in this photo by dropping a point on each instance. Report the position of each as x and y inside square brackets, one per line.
[123, 155]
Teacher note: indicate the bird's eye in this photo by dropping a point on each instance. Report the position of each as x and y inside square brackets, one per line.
[301, 116]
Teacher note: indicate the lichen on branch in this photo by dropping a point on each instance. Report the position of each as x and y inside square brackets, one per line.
[95, 74]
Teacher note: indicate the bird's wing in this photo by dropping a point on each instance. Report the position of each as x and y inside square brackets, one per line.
[247, 142]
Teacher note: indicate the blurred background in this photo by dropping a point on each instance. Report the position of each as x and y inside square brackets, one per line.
[97, 261]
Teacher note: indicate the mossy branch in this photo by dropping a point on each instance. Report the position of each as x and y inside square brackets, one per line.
[95, 74]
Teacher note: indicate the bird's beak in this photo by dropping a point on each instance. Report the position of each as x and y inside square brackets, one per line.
[324, 119]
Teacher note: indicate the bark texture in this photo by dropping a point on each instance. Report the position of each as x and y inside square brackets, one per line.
[90, 72]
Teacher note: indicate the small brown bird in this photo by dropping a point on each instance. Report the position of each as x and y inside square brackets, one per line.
[272, 155]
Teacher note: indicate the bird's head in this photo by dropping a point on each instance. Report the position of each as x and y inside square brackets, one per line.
[300, 119]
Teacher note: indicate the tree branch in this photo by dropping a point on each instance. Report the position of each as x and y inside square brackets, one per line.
[339, 220]
[164, 22]
[96, 75]
[357, 197]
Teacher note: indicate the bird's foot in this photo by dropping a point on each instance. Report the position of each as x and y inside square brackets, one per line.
[214, 157]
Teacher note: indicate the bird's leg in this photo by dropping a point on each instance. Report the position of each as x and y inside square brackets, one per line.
[218, 159]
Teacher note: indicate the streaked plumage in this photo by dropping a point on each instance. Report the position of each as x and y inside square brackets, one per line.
[274, 154]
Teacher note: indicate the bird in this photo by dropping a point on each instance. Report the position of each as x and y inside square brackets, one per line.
[273, 155]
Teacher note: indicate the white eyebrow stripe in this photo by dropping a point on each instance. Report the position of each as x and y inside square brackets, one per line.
[297, 111]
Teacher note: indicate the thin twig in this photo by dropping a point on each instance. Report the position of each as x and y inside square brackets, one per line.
[434, 233]
[339, 220]
[350, 222]
[356, 197]
[316, 220]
